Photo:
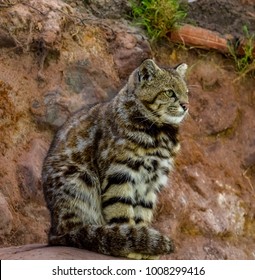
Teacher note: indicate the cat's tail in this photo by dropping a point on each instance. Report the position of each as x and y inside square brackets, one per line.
[117, 240]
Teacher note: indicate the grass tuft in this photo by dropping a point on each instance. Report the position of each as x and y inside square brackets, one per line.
[158, 17]
[245, 63]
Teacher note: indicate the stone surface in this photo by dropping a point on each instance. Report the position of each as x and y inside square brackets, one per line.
[29, 170]
[51, 18]
[115, 9]
[215, 109]
[93, 73]
[6, 217]
[6, 41]
[129, 50]
[43, 252]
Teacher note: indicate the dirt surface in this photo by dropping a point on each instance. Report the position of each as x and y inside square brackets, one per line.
[223, 16]
[55, 58]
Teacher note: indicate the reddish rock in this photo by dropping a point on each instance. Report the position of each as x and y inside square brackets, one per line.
[213, 108]
[200, 248]
[43, 252]
[6, 217]
[53, 111]
[29, 170]
[94, 77]
[129, 50]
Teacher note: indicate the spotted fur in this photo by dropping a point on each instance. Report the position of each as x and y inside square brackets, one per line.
[106, 166]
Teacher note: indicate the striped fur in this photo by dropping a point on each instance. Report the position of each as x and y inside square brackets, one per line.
[105, 167]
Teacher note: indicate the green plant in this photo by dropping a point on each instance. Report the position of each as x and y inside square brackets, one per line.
[245, 62]
[158, 17]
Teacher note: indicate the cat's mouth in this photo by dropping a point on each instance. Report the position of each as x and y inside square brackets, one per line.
[176, 116]
[181, 110]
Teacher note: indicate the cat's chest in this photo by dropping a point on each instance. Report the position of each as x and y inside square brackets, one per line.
[152, 175]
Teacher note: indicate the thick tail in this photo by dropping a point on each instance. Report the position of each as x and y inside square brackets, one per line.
[117, 240]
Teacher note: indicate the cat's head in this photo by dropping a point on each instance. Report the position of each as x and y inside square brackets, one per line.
[162, 92]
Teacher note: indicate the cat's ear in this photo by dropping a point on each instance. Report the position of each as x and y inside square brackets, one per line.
[181, 69]
[147, 70]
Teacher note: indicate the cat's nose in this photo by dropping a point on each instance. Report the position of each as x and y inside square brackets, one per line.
[185, 106]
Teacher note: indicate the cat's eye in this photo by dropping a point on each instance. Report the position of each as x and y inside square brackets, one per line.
[170, 93]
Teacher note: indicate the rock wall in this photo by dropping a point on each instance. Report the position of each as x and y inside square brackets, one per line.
[56, 57]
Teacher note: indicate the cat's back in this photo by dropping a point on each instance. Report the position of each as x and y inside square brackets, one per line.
[78, 131]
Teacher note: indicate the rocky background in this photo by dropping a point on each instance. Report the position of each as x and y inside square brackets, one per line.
[57, 56]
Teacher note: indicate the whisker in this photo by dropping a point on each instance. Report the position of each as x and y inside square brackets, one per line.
[151, 115]
[197, 86]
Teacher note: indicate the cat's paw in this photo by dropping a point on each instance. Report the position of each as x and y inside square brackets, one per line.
[138, 256]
